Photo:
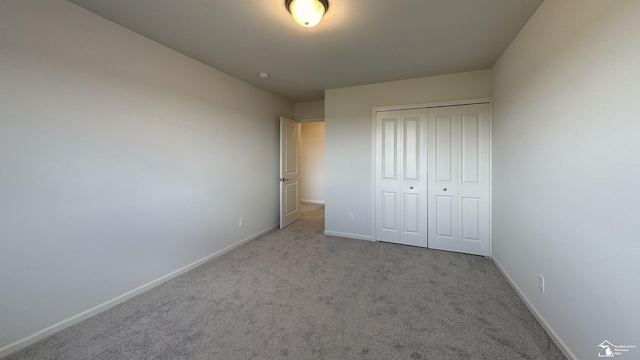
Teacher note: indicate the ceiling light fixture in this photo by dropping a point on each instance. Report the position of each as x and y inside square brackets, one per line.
[307, 13]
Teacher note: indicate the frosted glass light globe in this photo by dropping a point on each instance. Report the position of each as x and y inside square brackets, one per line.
[307, 13]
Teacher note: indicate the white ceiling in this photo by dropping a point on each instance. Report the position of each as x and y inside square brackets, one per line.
[358, 42]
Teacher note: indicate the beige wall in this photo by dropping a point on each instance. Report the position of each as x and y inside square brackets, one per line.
[122, 161]
[309, 111]
[312, 159]
[566, 180]
[349, 139]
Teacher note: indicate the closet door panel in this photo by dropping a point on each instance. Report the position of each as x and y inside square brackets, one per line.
[470, 149]
[443, 130]
[401, 172]
[459, 196]
[444, 217]
[470, 219]
[390, 211]
[388, 141]
[414, 185]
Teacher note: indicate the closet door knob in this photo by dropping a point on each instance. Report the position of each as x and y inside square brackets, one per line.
[445, 189]
[411, 187]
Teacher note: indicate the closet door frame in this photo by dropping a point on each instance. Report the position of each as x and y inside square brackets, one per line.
[374, 112]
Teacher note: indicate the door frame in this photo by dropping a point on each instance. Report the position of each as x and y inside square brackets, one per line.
[474, 101]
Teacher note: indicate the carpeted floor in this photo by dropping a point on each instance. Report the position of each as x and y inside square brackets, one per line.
[298, 294]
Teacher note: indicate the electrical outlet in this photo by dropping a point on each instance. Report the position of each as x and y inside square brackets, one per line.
[541, 282]
[241, 222]
[351, 216]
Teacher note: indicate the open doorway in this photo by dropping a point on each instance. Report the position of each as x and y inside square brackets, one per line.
[312, 163]
[302, 169]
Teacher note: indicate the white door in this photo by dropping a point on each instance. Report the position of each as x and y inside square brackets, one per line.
[289, 171]
[401, 177]
[459, 198]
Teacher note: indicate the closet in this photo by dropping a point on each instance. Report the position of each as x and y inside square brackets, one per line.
[432, 177]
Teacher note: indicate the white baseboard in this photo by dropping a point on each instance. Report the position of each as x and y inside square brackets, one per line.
[33, 338]
[320, 202]
[350, 236]
[545, 325]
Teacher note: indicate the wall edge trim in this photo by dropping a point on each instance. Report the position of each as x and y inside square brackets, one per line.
[319, 202]
[541, 320]
[61, 325]
[348, 235]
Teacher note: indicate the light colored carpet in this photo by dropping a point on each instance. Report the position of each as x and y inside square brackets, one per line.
[298, 294]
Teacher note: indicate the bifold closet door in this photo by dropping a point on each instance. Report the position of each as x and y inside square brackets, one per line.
[401, 177]
[459, 179]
